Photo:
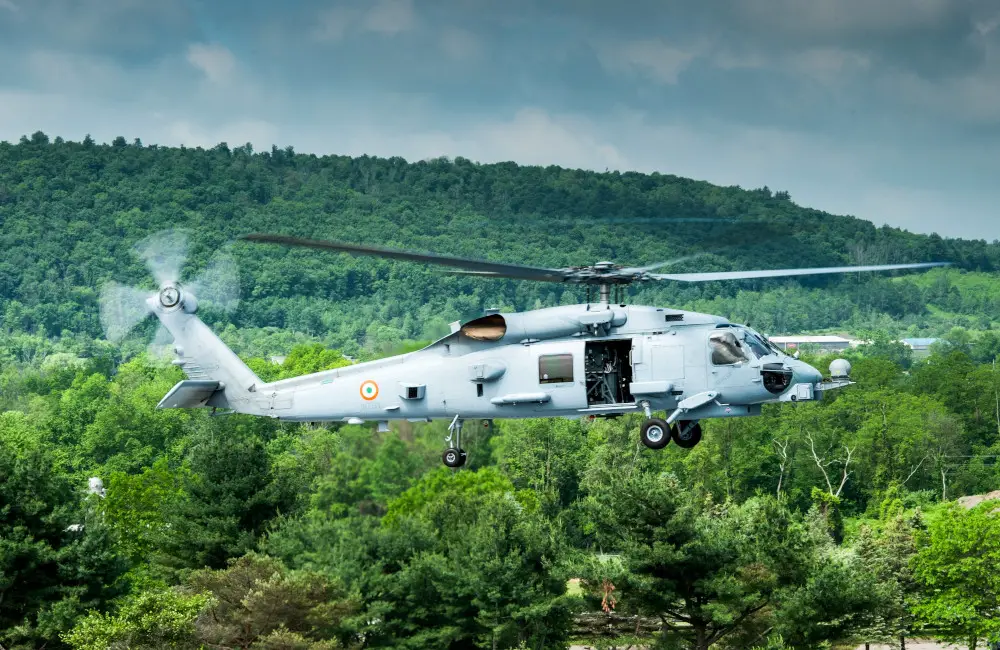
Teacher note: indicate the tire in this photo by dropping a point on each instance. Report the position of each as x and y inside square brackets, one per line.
[454, 457]
[655, 433]
[691, 436]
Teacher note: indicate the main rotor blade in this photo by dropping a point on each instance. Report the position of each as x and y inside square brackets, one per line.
[496, 269]
[666, 221]
[676, 260]
[778, 273]
[556, 276]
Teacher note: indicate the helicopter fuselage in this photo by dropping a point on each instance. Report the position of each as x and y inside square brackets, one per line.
[567, 361]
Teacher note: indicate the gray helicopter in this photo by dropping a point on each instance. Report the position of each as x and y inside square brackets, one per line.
[599, 359]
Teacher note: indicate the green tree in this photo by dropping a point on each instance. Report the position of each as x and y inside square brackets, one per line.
[956, 569]
[545, 455]
[149, 620]
[708, 572]
[256, 601]
[230, 496]
[887, 550]
[56, 557]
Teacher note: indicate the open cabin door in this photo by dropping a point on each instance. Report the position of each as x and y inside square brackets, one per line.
[608, 369]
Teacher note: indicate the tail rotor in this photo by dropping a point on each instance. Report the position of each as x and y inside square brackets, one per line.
[123, 308]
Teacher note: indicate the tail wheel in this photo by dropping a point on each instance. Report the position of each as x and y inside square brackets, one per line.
[454, 457]
[655, 433]
[686, 434]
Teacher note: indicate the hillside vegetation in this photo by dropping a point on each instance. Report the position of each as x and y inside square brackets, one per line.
[810, 526]
[72, 211]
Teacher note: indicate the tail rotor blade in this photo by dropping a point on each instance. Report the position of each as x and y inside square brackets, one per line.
[160, 350]
[122, 308]
[164, 253]
[219, 284]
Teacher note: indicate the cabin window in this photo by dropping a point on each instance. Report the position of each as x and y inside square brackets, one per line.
[726, 349]
[555, 368]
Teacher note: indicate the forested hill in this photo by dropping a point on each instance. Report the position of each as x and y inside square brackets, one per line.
[813, 524]
[70, 213]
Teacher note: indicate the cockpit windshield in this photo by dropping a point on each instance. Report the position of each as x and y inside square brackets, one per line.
[759, 344]
[733, 345]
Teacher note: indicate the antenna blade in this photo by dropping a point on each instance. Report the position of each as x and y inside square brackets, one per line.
[778, 273]
[499, 269]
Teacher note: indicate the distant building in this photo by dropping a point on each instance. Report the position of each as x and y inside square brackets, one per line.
[278, 359]
[920, 347]
[824, 343]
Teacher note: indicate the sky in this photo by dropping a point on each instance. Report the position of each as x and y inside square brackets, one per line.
[888, 110]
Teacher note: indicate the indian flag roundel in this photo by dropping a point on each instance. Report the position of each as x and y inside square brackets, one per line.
[369, 390]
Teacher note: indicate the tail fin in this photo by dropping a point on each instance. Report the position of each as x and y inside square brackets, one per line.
[217, 377]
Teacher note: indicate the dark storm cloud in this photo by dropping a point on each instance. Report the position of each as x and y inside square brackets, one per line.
[887, 109]
[132, 31]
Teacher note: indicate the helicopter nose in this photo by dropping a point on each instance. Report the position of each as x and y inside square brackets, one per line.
[803, 373]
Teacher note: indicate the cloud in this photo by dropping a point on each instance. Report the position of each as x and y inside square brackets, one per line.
[390, 17]
[215, 61]
[888, 110]
[386, 17]
[973, 99]
[829, 64]
[460, 44]
[260, 133]
[848, 17]
[653, 58]
[140, 30]
[332, 24]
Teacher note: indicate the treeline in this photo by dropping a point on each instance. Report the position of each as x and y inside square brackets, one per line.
[72, 210]
[806, 526]
[809, 525]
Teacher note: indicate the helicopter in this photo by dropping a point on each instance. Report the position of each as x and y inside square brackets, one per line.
[598, 359]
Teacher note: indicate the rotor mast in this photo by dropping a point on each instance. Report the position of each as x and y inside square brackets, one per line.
[605, 293]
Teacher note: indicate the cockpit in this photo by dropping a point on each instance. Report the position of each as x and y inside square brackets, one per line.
[731, 345]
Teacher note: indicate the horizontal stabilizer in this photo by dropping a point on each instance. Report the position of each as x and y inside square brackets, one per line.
[190, 393]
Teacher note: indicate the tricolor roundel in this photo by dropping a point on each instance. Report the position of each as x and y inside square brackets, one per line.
[369, 390]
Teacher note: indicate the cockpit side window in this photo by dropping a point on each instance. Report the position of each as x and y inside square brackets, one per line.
[726, 349]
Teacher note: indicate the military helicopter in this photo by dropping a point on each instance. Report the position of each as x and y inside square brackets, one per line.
[599, 359]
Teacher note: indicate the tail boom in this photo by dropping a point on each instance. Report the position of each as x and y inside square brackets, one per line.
[216, 376]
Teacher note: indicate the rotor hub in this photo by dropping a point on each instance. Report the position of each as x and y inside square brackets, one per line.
[170, 297]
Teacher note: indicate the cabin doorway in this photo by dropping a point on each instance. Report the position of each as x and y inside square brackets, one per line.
[608, 368]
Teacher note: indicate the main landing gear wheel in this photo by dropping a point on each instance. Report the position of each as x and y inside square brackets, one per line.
[686, 434]
[655, 433]
[454, 457]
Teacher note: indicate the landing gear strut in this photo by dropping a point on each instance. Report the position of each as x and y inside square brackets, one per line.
[454, 455]
[656, 433]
